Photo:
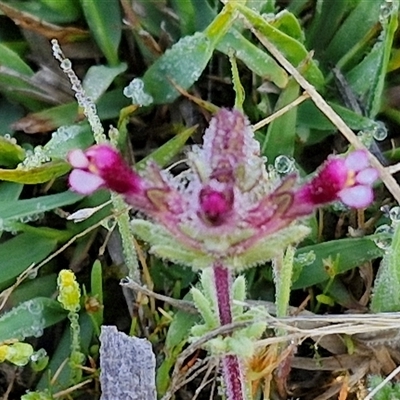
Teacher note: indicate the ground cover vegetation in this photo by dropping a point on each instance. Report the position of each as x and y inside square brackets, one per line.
[218, 177]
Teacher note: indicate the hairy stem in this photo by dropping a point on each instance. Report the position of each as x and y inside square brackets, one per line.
[231, 366]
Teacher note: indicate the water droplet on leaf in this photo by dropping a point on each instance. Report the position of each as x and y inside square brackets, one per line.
[379, 131]
[385, 11]
[394, 214]
[135, 90]
[385, 240]
[284, 164]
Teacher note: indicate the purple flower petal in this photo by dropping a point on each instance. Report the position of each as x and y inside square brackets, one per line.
[84, 182]
[367, 176]
[357, 160]
[77, 158]
[358, 196]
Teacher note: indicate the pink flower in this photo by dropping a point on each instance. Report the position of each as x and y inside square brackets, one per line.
[102, 166]
[215, 206]
[226, 204]
[347, 179]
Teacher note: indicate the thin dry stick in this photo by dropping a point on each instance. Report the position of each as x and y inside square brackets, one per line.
[392, 169]
[71, 389]
[319, 101]
[281, 111]
[205, 381]
[180, 304]
[178, 380]
[383, 383]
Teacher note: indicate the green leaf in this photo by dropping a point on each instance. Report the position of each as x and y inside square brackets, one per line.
[10, 153]
[320, 32]
[291, 48]
[10, 191]
[105, 23]
[165, 153]
[187, 16]
[281, 134]
[356, 26]
[286, 22]
[41, 11]
[44, 173]
[98, 79]
[68, 138]
[9, 113]
[367, 79]
[324, 299]
[253, 57]
[18, 253]
[30, 318]
[67, 8]
[183, 63]
[62, 352]
[41, 286]
[96, 287]
[386, 295]
[269, 247]
[108, 106]
[177, 337]
[347, 253]
[204, 14]
[13, 61]
[311, 117]
[21, 89]
[28, 207]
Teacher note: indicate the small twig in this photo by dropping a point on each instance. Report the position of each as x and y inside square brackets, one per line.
[180, 304]
[71, 389]
[281, 111]
[383, 383]
[393, 169]
[205, 381]
[191, 374]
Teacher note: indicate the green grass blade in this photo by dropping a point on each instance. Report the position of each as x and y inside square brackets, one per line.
[346, 253]
[30, 318]
[105, 23]
[281, 134]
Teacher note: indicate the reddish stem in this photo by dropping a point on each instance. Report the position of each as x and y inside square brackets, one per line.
[231, 367]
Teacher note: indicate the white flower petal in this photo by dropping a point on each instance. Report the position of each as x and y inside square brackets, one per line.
[84, 182]
[357, 160]
[367, 176]
[77, 158]
[359, 196]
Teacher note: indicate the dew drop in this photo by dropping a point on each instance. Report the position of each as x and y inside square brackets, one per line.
[284, 164]
[305, 259]
[135, 90]
[385, 11]
[38, 355]
[65, 64]
[36, 330]
[385, 240]
[379, 131]
[39, 360]
[394, 214]
[34, 307]
[32, 274]
[366, 136]
[385, 210]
